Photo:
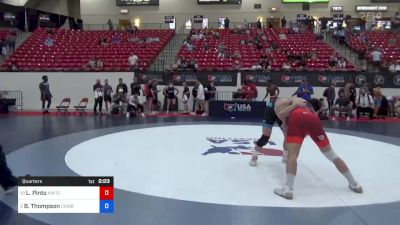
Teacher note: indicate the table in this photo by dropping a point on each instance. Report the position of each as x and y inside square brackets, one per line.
[4, 103]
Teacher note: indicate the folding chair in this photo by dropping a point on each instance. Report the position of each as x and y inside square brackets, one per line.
[64, 106]
[81, 107]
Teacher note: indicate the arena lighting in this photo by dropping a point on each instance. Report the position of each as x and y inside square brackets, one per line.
[137, 22]
[260, 18]
[124, 11]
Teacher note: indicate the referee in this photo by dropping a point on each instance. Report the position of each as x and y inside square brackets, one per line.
[7, 180]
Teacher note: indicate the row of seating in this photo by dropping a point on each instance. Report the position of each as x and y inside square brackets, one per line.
[73, 49]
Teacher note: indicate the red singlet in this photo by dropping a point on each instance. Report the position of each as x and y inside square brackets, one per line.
[303, 122]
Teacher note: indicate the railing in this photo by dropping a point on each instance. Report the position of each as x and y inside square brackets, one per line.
[13, 95]
[142, 26]
[224, 95]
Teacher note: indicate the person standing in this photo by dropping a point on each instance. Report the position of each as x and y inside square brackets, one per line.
[45, 94]
[210, 92]
[272, 90]
[283, 22]
[7, 181]
[107, 90]
[98, 96]
[185, 98]
[122, 85]
[200, 102]
[171, 92]
[330, 95]
[148, 92]
[226, 23]
[194, 93]
[133, 62]
[364, 103]
[135, 87]
[155, 95]
[304, 91]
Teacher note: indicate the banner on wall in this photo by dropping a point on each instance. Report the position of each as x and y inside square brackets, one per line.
[324, 79]
[220, 78]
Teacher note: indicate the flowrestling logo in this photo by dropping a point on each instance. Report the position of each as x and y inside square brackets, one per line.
[237, 107]
[238, 146]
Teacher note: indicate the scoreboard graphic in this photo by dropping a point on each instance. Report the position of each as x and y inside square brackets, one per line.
[65, 194]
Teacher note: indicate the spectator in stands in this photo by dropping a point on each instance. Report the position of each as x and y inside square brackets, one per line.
[282, 36]
[11, 41]
[305, 90]
[45, 94]
[182, 63]
[342, 105]
[116, 39]
[103, 42]
[395, 21]
[330, 95]
[132, 39]
[341, 64]
[394, 67]
[194, 93]
[313, 54]
[49, 41]
[133, 62]
[333, 60]
[110, 24]
[236, 64]
[190, 47]
[135, 87]
[198, 37]
[258, 24]
[155, 98]
[107, 90]
[193, 65]
[98, 96]
[378, 96]
[364, 103]
[135, 29]
[122, 85]
[92, 64]
[14, 66]
[135, 106]
[376, 57]
[236, 55]
[283, 22]
[226, 23]
[99, 63]
[286, 66]
[206, 47]
[256, 66]
[119, 102]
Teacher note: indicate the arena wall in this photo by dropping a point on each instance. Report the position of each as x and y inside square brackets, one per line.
[79, 85]
[99, 11]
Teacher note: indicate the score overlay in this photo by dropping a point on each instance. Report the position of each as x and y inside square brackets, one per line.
[65, 194]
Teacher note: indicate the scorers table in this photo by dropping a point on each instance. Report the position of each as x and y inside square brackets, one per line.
[65, 194]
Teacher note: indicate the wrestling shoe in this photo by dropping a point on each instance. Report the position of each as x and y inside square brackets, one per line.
[284, 192]
[253, 160]
[284, 156]
[356, 189]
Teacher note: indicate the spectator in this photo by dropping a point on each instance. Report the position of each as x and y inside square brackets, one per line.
[104, 42]
[148, 92]
[286, 66]
[122, 85]
[14, 66]
[189, 46]
[236, 64]
[132, 39]
[135, 106]
[49, 41]
[185, 98]
[395, 21]
[171, 92]
[236, 55]
[193, 65]
[133, 62]
[119, 102]
[45, 94]
[259, 46]
[341, 64]
[364, 103]
[333, 60]
[396, 106]
[135, 87]
[283, 22]
[305, 90]
[110, 24]
[282, 36]
[98, 96]
[322, 112]
[313, 54]
[92, 64]
[330, 95]
[226, 23]
[350, 92]
[206, 47]
[135, 29]
[256, 66]
[155, 98]
[210, 93]
[376, 57]
[200, 99]
[107, 90]
[194, 93]
[258, 24]
[378, 96]
[394, 67]
[116, 39]
[11, 41]
[99, 63]
[342, 105]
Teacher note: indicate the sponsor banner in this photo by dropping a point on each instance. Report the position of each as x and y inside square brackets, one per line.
[220, 78]
[322, 79]
[144, 77]
[237, 109]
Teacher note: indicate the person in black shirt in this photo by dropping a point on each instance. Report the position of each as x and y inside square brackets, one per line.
[98, 96]
[45, 94]
[122, 85]
[7, 180]
[135, 87]
[155, 95]
[283, 22]
[119, 102]
[171, 92]
[209, 94]
[226, 23]
[194, 93]
[342, 105]
[258, 24]
[107, 90]
[185, 98]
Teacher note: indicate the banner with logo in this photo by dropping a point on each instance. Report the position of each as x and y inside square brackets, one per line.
[322, 79]
[221, 78]
[237, 109]
[144, 77]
